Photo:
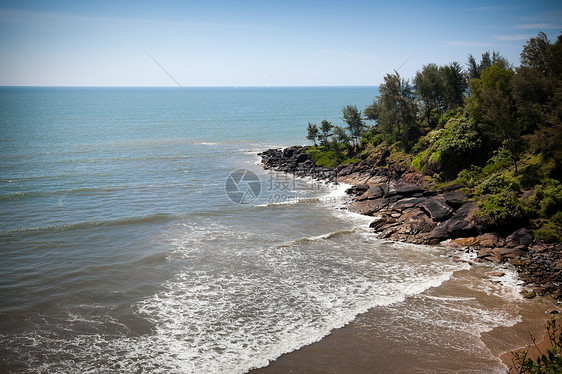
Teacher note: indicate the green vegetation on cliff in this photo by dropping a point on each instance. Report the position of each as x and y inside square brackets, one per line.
[492, 128]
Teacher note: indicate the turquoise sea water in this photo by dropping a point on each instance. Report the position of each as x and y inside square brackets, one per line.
[122, 252]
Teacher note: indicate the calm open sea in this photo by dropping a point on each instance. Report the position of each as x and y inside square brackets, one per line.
[121, 251]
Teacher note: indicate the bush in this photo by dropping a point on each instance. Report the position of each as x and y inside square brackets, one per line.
[469, 178]
[549, 233]
[502, 210]
[549, 362]
[459, 148]
[501, 160]
[497, 183]
[530, 175]
[548, 198]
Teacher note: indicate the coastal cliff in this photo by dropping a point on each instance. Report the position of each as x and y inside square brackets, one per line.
[405, 208]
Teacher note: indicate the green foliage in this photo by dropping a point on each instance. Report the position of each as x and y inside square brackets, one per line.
[549, 362]
[499, 182]
[502, 210]
[324, 157]
[530, 175]
[440, 88]
[325, 128]
[355, 124]
[396, 111]
[460, 147]
[549, 233]
[475, 69]
[548, 198]
[416, 162]
[312, 132]
[448, 115]
[470, 177]
[501, 160]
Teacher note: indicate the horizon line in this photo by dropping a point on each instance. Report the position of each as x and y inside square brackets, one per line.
[175, 86]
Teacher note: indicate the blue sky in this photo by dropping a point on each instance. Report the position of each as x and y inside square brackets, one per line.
[255, 43]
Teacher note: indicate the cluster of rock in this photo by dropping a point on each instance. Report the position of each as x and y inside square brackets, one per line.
[405, 210]
[295, 160]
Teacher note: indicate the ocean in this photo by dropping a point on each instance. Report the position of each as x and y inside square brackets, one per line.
[138, 233]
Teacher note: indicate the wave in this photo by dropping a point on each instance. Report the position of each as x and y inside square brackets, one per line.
[328, 236]
[151, 218]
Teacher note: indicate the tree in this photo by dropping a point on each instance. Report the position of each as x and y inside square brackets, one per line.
[493, 77]
[312, 132]
[430, 86]
[475, 69]
[341, 135]
[455, 85]
[535, 53]
[325, 128]
[355, 124]
[537, 91]
[500, 123]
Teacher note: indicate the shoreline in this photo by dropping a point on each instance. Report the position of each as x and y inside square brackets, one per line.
[394, 199]
[404, 209]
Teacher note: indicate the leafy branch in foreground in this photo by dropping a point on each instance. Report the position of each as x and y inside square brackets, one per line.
[549, 362]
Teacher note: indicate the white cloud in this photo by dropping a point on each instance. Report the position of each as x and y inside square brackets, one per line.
[540, 26]
[469, 43]
[508, 38]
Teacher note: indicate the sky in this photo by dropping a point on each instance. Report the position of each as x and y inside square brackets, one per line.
[255, 43]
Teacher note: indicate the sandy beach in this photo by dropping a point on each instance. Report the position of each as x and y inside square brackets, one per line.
[385, 341]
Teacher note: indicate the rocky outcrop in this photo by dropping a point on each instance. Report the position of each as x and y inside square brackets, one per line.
[404, 209]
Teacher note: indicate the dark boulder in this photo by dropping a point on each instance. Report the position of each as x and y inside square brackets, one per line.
[520, 237]
[407, 203]
[368, 207]
[436, 208]
[454, 199]
[374, 192]
[302, 158]
[459, 225]
[403, 188]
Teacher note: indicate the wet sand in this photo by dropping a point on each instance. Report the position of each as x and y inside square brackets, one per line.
[463, 326]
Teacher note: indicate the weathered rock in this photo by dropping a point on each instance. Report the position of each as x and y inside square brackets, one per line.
[489, 240]
[486, 252]
[509, 252]
[460, 224]
[374, 192]
[403, 188]
[368, 207]
[436, 208]
[358, 189]
[454, 199]
[302, 158]
[528, 294]
[461, 242]
[452, 187]
[407, 203]
[348, 169]
[381, 221]
[520, 237]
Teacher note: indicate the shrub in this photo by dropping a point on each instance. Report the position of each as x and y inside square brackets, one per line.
[501, 160]
[548, 362]
[469, 178]
[548, 198]
[502, 209]
[459, 148]
[549, 233]
[530, 175]
[497, 183]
